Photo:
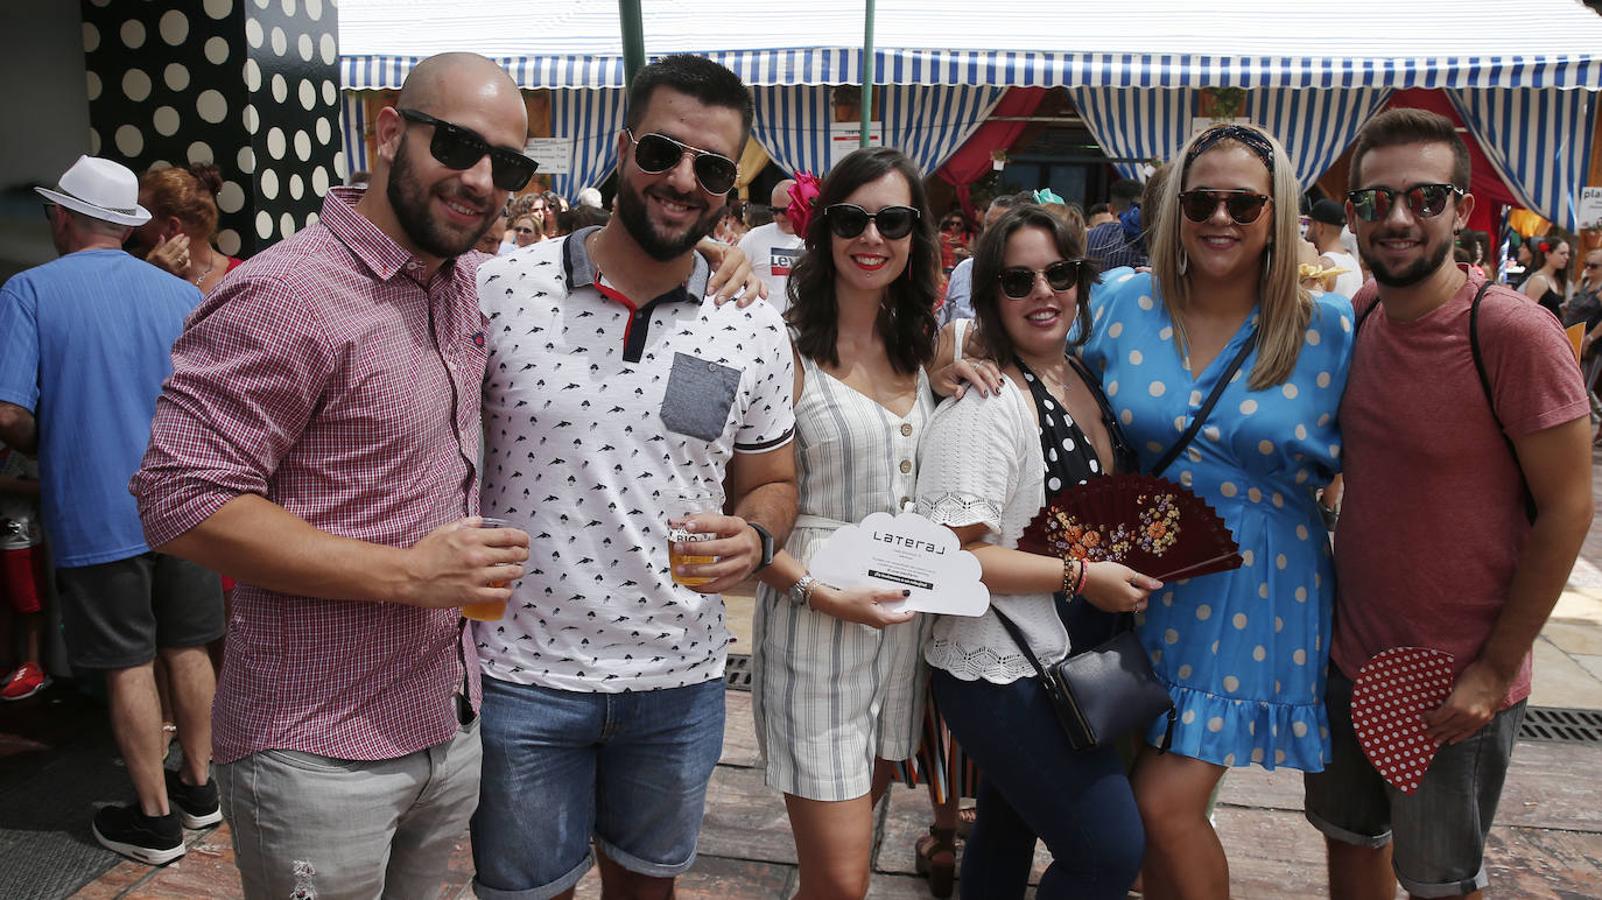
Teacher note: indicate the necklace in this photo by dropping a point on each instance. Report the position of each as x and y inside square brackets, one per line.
[206, 274]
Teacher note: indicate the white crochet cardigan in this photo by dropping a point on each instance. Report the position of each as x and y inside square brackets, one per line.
[979, 462]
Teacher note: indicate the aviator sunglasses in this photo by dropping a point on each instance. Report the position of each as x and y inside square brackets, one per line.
[1018, 282]
[656, 153]
[460, 148]
[1243, 206]
[847, 220]
[1426, 201]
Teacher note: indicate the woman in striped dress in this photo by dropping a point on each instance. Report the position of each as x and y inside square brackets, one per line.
[838, 676]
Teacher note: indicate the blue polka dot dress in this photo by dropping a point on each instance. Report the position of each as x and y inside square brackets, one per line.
[1243, 652]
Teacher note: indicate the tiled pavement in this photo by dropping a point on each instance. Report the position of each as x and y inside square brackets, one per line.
[1547, 842]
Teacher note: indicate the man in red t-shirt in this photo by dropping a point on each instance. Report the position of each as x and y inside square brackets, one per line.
[1436, 546]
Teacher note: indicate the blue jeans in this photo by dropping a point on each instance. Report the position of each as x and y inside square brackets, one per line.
[629, 770]
[1034, 784]
[1439, 831]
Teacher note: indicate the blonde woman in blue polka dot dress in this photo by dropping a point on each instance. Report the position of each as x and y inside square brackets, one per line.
[1242, 652]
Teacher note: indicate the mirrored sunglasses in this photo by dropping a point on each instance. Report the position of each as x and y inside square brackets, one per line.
[461, 148]
[1425, 201]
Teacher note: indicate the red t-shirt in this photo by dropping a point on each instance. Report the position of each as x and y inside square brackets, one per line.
[1433, 516]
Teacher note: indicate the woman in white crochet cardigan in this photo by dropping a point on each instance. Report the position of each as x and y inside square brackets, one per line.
[985, 469]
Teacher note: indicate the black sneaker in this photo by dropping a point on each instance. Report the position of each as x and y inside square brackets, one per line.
[156, 840]
[197, 807]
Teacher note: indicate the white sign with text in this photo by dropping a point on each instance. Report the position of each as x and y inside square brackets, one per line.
[904, 552]
[845, 137]
[1590, 212]
[554, 154]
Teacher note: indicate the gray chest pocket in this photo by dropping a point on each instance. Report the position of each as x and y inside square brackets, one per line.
[699, 396]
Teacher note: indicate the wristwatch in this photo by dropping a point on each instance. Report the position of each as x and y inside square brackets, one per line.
[767, 546]
[801, 592]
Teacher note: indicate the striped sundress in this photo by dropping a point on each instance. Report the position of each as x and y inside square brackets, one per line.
[829, 695]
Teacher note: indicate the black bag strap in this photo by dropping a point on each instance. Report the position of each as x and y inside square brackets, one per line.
[1490, 398]
[1018, 638]
[1485, 386]
[1207, 407]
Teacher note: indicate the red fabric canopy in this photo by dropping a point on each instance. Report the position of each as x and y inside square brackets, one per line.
[973, 159]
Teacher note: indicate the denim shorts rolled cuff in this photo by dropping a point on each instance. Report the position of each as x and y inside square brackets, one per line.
[1447, 889]
[642, 867]
[1336, 833]
[543, 892]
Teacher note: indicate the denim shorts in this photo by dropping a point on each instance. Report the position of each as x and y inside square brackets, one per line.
[561, 768]
[1439, 832]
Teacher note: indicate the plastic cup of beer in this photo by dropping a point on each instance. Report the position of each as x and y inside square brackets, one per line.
[493, 610]
[680, 508]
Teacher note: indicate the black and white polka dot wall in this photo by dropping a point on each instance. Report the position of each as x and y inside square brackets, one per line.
[250, 85]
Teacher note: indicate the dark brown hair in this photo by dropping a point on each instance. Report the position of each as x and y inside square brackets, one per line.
[989, 259]
[187, 193]
[1398, 127]
[906, 315]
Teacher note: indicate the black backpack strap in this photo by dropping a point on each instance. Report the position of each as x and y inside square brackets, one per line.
[1490, 398]
[1207, 407]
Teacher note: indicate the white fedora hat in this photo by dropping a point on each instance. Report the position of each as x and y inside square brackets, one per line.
[101, 189]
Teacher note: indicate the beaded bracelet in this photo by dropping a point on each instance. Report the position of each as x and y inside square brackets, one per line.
[1068, 576]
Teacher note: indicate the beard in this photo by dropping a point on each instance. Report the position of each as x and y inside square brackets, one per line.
[658, 244]
[1427, 265]
[410, 201]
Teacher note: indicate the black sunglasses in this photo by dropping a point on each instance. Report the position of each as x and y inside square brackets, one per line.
[1426, 201]
[1018, 282]
[461, 148]
[847, 220]
[656, 153]
[1243, 206]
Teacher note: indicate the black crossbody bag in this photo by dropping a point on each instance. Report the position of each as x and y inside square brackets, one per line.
[1101, 694]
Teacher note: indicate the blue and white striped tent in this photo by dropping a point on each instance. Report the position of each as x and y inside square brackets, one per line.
[1524, 76]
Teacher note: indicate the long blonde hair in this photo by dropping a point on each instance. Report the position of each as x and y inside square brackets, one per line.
[1284, 306]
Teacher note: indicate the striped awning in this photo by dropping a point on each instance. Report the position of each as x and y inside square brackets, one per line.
[1469, 44]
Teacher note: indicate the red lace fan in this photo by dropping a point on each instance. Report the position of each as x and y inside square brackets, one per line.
[1149, 524]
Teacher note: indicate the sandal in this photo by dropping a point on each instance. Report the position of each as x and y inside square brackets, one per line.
[936, 859]
[965, 819]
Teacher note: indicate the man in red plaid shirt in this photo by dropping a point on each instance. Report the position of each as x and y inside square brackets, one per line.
[319, 441]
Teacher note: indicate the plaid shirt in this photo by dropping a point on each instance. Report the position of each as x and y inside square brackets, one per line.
[325, 377]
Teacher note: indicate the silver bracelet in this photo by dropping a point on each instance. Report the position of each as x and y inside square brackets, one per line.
[800, 593]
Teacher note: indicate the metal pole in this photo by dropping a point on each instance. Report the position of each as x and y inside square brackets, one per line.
[628, 14]
[867, 75]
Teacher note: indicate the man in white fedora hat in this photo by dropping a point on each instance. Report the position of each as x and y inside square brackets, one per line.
[85, 344]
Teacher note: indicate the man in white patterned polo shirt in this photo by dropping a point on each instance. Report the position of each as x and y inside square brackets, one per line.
[613, 388]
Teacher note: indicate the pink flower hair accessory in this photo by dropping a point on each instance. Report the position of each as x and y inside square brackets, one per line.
[803, 202]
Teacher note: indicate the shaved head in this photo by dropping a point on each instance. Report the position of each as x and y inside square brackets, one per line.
[451, 77]
[433, 208]
[781, 193]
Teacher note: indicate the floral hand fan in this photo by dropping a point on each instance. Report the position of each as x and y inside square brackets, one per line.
[1149, 524]
[1389, 697]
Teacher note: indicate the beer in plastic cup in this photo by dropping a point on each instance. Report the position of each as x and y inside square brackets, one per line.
[680, 508]
[493, 610]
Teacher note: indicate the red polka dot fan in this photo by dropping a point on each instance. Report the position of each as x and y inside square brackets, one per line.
[1149, 524]
[1389, 698]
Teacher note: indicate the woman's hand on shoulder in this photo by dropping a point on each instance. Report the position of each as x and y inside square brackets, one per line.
[865, 606]
[1116, 588]
[952, 379]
